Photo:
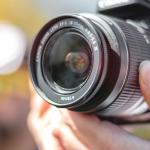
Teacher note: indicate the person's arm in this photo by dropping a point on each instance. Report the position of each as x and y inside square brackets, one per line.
[96, 134]
[60, 129]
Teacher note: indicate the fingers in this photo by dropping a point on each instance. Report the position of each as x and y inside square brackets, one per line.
[44, 108]
[89, 128]
[51, 133]
[38, 105]
[145, 80]
[49, 141]
[80, 122]
[101, 135]
[68, 139]
[41, 129]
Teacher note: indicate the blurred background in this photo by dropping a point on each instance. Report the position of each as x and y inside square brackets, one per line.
[19, 23]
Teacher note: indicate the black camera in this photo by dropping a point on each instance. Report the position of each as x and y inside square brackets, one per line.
[89, 62]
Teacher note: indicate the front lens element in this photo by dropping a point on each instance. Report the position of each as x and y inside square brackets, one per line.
[67, 59]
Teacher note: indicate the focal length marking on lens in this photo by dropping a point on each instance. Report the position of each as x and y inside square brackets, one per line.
[44, 39]
[40, 48]
[68, 22]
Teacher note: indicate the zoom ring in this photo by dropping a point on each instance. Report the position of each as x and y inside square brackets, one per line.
[139, 51]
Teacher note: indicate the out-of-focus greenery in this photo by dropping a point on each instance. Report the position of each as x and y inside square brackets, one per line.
[25, 15]
[22, 13]
[16, 83]
[142, 131]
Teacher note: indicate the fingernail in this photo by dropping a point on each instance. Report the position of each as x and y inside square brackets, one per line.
[145, 73]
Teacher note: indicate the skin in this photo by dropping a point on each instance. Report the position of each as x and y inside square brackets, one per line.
[60, 129]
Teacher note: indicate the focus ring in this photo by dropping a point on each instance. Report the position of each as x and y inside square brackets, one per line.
[139, 51]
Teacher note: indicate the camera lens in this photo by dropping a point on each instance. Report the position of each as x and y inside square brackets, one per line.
[67, 60]
[89, 63]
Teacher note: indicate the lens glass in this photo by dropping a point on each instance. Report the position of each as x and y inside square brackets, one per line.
[67, 59]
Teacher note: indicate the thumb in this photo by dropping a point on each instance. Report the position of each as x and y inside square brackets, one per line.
[145, 80]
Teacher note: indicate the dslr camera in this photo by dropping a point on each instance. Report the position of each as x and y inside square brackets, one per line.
[89, 62]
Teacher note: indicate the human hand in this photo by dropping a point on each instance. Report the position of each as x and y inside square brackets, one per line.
[144, 79]
[60, 129]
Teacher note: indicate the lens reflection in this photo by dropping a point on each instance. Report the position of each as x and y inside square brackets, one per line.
[67, 59]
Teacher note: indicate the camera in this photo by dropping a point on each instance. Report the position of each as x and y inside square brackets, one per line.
[89, 62]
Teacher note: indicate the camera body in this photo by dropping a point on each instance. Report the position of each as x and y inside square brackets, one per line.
[89, 62]
[136, 11]
[125, 9]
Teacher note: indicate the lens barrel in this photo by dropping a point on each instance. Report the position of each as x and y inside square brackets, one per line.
[72, 66]
[89, 63]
